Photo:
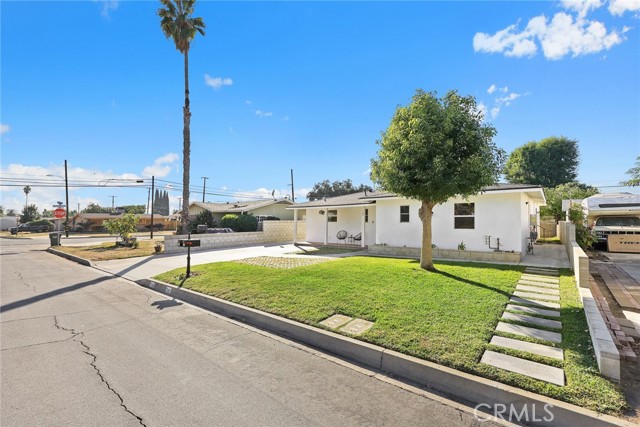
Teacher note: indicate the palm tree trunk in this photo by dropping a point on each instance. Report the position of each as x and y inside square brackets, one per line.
[186, 149]
[426, 255]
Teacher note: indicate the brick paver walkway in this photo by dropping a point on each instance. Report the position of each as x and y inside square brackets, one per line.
[282, 262]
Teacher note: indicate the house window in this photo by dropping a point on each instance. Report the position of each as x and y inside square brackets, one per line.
[366, 215]
[464, 216]
[404, 213]
[332, 215]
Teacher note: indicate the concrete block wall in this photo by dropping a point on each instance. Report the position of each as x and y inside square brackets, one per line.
[578, 258]
[273, 232]
[395, 251]
[282, 231]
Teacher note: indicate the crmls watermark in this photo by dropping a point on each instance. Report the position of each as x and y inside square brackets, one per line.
[514, 413]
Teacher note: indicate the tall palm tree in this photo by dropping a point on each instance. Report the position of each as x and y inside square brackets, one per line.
[26, 190]
[178, 24]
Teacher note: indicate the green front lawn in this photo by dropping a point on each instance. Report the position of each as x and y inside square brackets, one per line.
[446, 317]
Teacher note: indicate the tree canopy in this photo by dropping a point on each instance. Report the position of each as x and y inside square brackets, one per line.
[555, 196]
[634, 173]
[95, 208]
[335, 188]
[434, 149]
[29, 213]
[549, 162]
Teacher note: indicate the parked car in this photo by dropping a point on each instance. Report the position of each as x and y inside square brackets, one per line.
[607, 225]
[40, 228]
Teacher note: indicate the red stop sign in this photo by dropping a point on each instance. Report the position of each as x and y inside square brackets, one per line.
[59, 213]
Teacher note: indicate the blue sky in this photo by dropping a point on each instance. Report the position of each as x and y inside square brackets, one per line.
[299, 85]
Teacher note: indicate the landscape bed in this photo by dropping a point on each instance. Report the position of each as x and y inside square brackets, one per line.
[447, 317]
[109, 250]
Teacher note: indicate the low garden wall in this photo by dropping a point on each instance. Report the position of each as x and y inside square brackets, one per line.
[394, 251]
[606, 352]
[273, 232]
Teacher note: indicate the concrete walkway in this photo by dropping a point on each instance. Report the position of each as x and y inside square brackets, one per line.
[150, 266]
[522, 318]
[547, 255]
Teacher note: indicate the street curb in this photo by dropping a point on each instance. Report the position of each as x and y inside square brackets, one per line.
[490, 394]
[71, 257]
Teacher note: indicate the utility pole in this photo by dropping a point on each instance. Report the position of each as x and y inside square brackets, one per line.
[148, 199]
[66, 192]
[204, 187]
[153, 183]
[293, 193]
[78, 207]
[113, 207]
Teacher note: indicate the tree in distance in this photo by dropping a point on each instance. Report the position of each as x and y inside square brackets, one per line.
[550, 162]
[435, 149]
[634, 173]
[29, 213]
[335, 188]
[555, 196]
[177, 22]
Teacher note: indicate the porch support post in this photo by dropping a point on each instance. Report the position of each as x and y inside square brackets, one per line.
[362, 237]
[295, 226]
[326, 226]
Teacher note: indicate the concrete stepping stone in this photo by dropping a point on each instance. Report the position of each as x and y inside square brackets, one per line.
[542, 272]
[538, 278]
[536, 321]
[540, 290]
[527, 301]
[536, 370]
[527, 331]
[533, 310]
[357, 326]
[539, 349]
[336, 321]
[531, 295]
[540, 284]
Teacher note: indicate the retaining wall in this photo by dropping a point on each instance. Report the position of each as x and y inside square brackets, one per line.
[273, 232]
[395, 251]
[607, 353]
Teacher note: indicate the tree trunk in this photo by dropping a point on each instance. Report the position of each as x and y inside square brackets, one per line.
[426, 254]
[186, 149]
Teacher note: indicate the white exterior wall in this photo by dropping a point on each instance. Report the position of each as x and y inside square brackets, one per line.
[349, 219]
[497, 215]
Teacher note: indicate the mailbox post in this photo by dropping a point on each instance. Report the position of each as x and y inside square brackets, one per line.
[189, 243]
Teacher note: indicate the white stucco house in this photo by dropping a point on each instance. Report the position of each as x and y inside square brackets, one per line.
[504, 211]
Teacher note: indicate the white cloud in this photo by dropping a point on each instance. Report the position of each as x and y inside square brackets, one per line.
[161, 166]
[507, 100]
[561, 36]
[494, 112]
[217, 82]
[108, 6]
[619, 7]
[4, 128]
[367, 172]
[482, 108]
[248, 102]
[286, 118]
[491, 89]
[261, 113]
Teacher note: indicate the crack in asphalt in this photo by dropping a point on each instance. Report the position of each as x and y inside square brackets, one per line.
[87, 351]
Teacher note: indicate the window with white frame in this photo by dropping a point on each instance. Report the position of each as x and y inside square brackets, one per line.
[464, 216]
[404, 213]
[332, 215]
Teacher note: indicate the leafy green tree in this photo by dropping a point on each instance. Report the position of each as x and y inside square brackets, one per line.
[634, 173]
[434, 149]
[95, 208]
[336, 188]
[29, 213]
[123, 226]
[239, 222]
[584, 237]
[2, 210]
[550, 162]
[11, 212]
[135, 209]
[177, 22]
[555, 196]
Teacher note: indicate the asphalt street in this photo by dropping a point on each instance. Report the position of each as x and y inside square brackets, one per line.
[82, 348]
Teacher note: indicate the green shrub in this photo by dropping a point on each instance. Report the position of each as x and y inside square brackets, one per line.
[123, 226]
[239, 222]
[204, 217]
[583, 235]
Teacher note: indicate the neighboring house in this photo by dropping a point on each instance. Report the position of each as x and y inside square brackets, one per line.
[277, 208]
[504, 211]
[95, 221]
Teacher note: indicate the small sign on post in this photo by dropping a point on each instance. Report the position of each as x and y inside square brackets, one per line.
[189, 243]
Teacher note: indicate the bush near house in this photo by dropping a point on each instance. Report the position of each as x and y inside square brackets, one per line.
[204, 217]
[239, 222]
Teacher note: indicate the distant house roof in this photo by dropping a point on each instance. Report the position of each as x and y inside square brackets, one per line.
[111, 216]
[240, 206]
[364, 198]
